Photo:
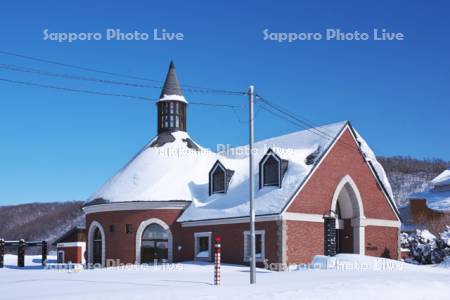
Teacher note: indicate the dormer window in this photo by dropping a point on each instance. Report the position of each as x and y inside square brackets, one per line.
[272, 169]
[219, 178]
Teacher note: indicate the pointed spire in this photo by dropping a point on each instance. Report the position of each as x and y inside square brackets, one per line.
[171, 84]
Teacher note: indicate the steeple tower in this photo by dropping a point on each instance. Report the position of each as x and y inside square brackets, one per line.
[171, 104]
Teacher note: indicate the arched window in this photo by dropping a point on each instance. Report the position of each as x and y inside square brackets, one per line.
[155, 243]
[97, 249]
[271, 170]
[219, 178]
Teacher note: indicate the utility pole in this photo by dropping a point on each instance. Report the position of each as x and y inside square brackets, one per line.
[251, 94]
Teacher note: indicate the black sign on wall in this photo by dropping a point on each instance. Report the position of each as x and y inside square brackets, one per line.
[330, 236]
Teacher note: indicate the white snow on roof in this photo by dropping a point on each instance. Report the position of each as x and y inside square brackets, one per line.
[175, 172]
[294, 147]
[167, 173]
[442, 179]
[173, 98]
[438, 201]
[370, 156]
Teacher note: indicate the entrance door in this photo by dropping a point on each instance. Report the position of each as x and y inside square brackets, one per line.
[345, 237]
[154, 249]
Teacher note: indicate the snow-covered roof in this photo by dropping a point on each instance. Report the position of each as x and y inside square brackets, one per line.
[435, 200]
[442, 179]
[171, 169]
[172, 172]
[437, 195]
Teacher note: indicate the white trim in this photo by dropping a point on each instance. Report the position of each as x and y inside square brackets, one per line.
[196, 245]
[310, 175]
[291, 216]
[229, 221]
[348, 179]
[263, 245]
[133, 205]
[382, 223]
[92, 227]
[71, 244]
[140, 231]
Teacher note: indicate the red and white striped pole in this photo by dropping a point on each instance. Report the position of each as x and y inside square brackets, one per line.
[217, 261]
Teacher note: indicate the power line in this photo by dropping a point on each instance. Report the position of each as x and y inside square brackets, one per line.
[296, 120]
[48, 86]
[189, 88]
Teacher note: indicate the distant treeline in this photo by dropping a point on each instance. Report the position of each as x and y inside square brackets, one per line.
[409, 165]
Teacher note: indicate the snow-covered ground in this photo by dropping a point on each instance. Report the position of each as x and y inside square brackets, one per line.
[346, 276]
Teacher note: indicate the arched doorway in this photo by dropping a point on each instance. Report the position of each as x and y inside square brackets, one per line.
[155, 244]
[97, 247]
[153, 241]
[96, 244]
[347, 204]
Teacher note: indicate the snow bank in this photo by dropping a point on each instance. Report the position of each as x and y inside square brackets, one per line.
[356, 262]
[192, 280]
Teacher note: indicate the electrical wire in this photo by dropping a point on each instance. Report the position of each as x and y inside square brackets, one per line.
[190, 88]
[48, 86]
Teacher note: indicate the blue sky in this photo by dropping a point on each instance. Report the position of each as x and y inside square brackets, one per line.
[58, 145]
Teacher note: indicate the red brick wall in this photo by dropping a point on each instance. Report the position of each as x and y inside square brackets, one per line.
[317, 194]
[72, 254]
[232, 240]
[382, 241]
[120, 245]
[304, 240]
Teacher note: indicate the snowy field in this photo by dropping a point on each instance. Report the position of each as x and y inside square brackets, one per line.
[351, 276]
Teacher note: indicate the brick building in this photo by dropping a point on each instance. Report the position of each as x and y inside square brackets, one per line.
[174, 197]
[71, 246]
[431, 208]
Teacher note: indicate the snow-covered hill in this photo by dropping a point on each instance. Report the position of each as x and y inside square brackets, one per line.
[408, 175]
[39, 221]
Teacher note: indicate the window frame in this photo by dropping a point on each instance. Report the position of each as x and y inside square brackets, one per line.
[211, 179]
[269, 154]
[62, 253]
[197, 236]
[263, 245]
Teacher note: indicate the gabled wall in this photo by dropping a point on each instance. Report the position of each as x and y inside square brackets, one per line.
[305, 236]
[343, 159]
